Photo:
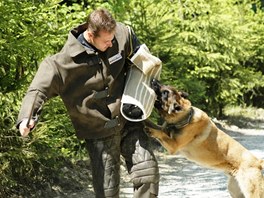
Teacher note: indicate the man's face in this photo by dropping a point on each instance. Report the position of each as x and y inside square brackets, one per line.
[102, 41]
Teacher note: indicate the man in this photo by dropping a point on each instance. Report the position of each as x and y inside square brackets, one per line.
[89, 75]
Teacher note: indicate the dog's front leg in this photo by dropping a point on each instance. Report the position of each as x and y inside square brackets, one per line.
[166, 141]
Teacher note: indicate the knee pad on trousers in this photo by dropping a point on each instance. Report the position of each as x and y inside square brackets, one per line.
[145, 167]
[145, 172]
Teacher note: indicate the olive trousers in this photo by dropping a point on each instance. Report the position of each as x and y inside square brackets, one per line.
[135, 146]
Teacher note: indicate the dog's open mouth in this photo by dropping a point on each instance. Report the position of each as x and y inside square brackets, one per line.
[155, 85]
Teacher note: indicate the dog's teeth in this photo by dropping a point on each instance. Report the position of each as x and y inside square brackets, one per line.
[171, 108]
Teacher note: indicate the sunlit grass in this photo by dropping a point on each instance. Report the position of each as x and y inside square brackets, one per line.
[248, 117]
[247, 112]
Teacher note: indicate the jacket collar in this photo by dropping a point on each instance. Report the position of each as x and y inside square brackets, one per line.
[74, 46]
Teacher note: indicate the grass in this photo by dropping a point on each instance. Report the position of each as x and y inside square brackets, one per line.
[245, 117]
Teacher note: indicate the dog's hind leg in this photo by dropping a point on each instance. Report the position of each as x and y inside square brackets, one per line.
[234, 188]
[250, 181]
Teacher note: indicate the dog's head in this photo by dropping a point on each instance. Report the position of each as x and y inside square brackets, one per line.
[169, 101]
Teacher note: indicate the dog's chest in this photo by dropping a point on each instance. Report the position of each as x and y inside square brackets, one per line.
[191, 154]
[185, 153]
[172, 131]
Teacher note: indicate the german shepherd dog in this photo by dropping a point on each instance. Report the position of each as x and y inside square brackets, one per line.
[190, 132]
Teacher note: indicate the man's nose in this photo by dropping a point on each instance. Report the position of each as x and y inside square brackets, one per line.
[110, 44]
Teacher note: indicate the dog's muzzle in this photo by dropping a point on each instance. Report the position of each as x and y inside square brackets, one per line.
[155, 85]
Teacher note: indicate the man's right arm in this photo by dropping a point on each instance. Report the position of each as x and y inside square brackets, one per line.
[44, 86]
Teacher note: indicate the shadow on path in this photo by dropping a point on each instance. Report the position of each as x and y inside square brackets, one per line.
[181, 178]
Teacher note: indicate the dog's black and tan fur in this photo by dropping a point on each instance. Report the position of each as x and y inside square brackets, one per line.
[191, 133]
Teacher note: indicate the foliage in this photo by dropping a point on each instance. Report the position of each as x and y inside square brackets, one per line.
[32, 31]
[244, 116]
[34, 159]
[205, 46]
[21, 159]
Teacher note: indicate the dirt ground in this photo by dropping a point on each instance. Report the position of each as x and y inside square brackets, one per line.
[181, 178]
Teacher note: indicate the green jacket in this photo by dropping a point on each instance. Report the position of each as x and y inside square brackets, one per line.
[90, 83]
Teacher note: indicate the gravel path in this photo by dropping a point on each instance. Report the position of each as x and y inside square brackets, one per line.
[181, 178]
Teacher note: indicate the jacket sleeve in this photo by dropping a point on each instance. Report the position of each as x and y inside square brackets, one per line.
[46, 83]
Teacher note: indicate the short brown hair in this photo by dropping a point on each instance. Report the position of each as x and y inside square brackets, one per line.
[100, 19]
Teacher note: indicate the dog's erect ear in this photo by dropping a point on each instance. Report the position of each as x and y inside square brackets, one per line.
[183, 94]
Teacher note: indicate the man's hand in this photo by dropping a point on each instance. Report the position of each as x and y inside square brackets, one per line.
[24, 129]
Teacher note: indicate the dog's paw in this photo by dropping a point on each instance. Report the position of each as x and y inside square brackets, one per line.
[148, 131]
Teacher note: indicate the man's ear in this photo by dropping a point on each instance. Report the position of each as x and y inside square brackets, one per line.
[184, 94]
[90, 35]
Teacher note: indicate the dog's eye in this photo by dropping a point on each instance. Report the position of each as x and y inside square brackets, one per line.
[165, 95]
[177, 107]
[184, 94]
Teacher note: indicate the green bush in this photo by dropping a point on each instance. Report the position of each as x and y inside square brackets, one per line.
[211, 49]
[33, 30]
[37, 158]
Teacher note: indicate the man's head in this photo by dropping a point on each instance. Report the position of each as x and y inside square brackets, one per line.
[101, 29]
